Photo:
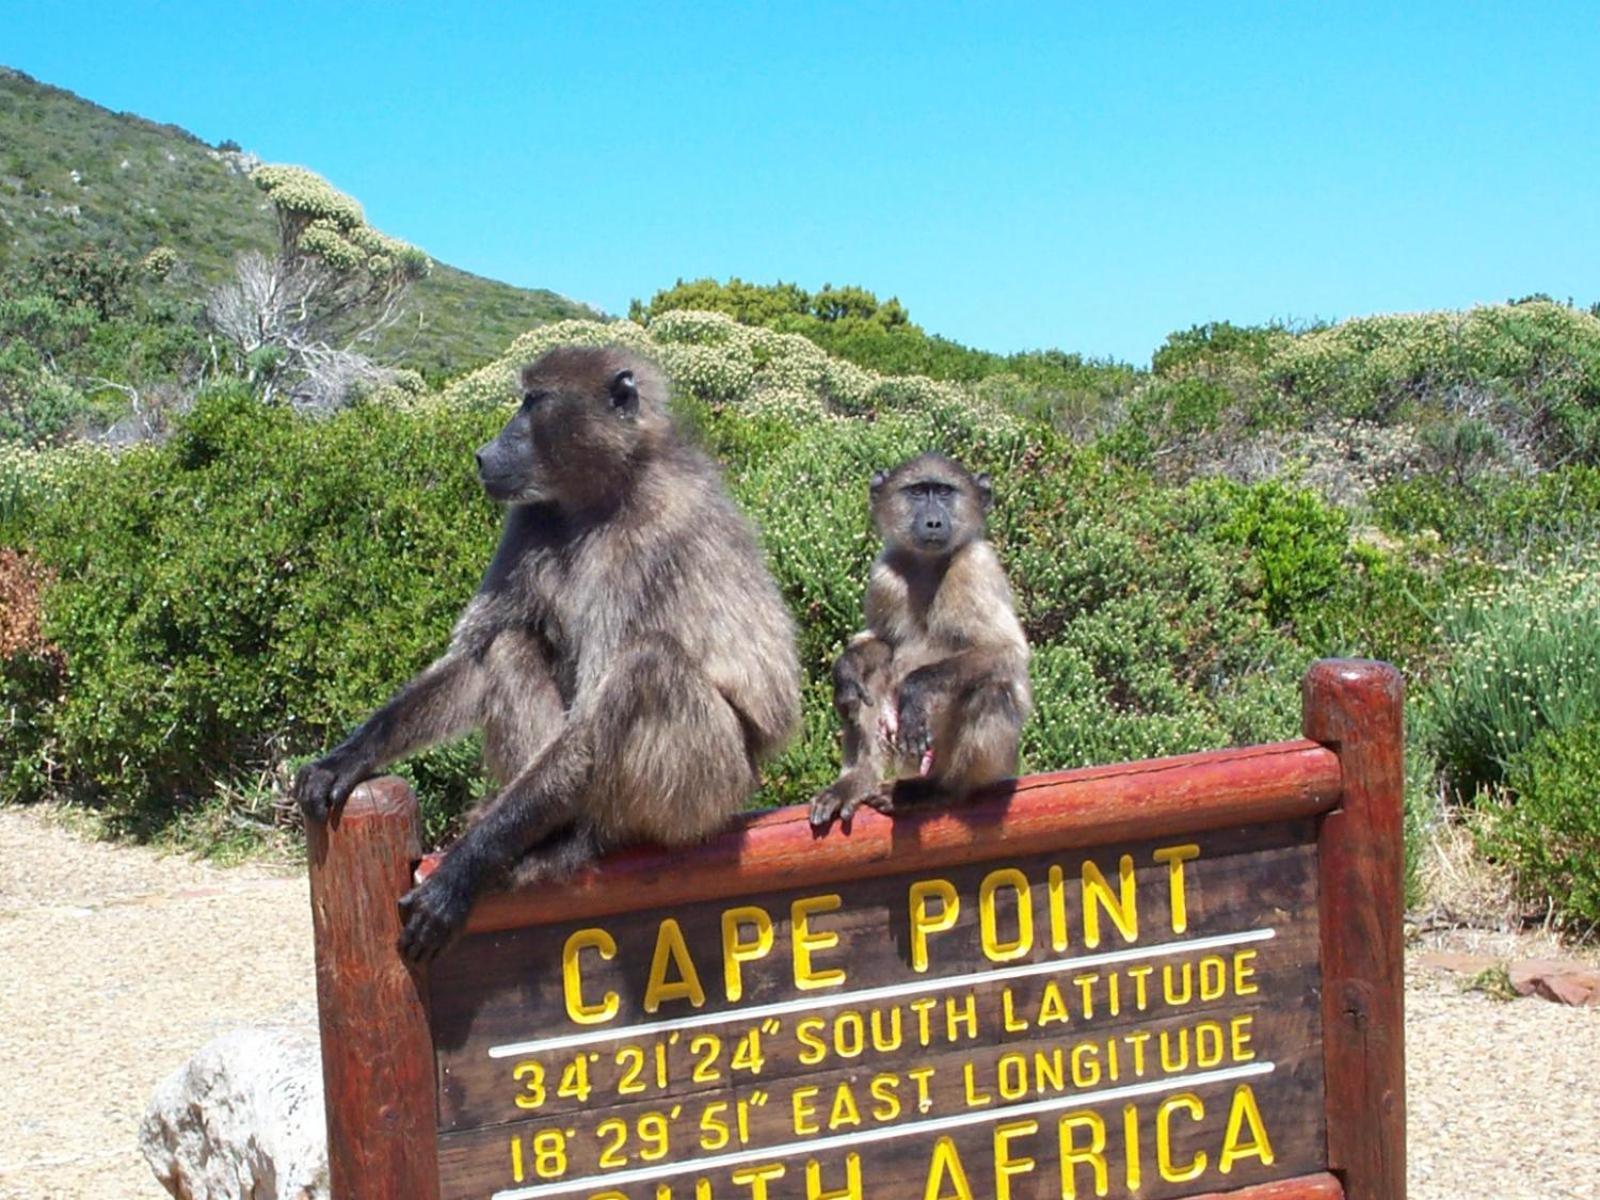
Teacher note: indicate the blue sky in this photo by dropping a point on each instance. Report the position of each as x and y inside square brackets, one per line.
[1084, 176]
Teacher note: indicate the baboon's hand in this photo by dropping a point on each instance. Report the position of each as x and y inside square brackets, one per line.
[825, 806]
[433, 912]
[913, 732]
[322, 787]
[841, 800]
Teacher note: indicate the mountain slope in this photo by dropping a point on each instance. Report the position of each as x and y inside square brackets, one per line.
[72, 171]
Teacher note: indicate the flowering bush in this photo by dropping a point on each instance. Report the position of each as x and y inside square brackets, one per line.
[1526, 660]
[1532, 367]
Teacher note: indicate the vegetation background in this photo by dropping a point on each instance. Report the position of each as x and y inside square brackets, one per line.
[205, 579]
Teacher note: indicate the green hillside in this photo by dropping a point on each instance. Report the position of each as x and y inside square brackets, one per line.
[74, 172]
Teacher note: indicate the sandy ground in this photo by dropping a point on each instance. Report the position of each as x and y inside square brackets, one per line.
[119, 963]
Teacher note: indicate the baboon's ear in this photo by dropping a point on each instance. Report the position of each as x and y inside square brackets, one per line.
[624, 392]
[875, 484]
[985, 491]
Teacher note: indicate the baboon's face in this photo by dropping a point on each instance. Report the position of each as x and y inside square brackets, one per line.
[582, 420]
[929, 506]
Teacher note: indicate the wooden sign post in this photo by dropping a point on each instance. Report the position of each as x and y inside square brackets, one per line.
[1174, 978]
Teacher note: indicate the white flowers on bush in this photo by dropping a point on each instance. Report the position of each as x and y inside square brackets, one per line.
[717, 360]
[332, 227]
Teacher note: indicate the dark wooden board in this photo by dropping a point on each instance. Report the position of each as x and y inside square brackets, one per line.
[503, 991]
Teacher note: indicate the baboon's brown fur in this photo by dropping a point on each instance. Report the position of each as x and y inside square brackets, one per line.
[627, 656]
[934, 691]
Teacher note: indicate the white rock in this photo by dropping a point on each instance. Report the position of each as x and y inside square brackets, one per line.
[242, 1120]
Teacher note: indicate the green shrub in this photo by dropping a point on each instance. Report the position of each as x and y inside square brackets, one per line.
[245, 592]
[1382, 606]
[1217, 346]
[1496, 519]
[1535, 368]
[1548, 829]
[1299, 544]
[1526, 659]
[852, 324]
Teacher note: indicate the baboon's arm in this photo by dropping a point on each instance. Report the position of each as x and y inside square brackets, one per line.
[861, 698]
[956, 677]
[539, 803]
[441, 701]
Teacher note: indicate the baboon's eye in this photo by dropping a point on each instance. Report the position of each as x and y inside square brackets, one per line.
[532, 397]
[624, 392]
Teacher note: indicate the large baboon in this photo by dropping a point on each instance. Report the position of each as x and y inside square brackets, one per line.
[627, 655]
[935, 690]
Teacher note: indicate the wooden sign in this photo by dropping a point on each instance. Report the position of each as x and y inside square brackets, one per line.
[1163, 979]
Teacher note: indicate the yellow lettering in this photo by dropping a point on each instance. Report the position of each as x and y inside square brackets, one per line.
[885, 1090]
[757, 1178]
[922, 1008]
[975, 1099]
[1097, 894]
[808, 941]
[1056, 891]
[1137, 1041]
[1086, 986]
[946, 1163]
[672, 950]
[1004, 1165]
[804, 1110]
[1139, 975]
[1008, 1015]
[1207, 1044]
[924, 922]
[1049, 1070]
[1052, 1007]
[1213, 977]
[967, 1016]
[988, 918]
[572, 978]
[849, 1034]
[1244, 973]
[736, 950]
[1244, 1112]
[1171, 1171]
[1094, 1154]
[1170, 1062]
[920, 1076]
[881, 1041]
[1012, 1073]
[1175, 857]
[1186, 974]
[1134, 1175]
[1085, 1064]
[844, 1110]
[1239, 1038]
[814, 1048]
[852, 1180]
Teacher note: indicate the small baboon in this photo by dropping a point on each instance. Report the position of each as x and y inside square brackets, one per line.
[933, 693]
[627, 656]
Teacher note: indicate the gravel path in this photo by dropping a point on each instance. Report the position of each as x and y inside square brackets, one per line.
[120, 962]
